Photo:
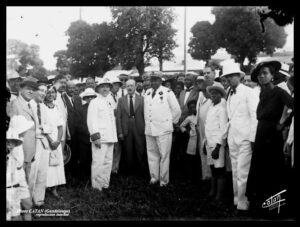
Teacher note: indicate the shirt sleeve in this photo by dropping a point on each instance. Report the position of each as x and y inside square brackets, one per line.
[92, 119]
[223, 121]
[175, 108]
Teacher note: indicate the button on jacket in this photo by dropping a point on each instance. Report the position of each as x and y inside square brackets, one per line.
[161, 111]
[101, 119]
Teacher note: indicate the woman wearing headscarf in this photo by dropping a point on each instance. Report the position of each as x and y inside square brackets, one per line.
[55, 173]
[267, 175]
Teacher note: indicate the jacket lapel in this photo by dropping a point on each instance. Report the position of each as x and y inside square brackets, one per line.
[234, 107]
[125, 100]
[26, 108]
[137, 102]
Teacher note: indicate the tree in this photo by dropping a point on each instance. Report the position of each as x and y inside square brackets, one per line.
[237, 29]
[141, 34]
[27, 56]
[88, 48]
[203, 43]
[280, 14]
[62, 62]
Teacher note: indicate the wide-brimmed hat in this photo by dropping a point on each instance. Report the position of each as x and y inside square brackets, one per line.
[217, 87]
[232, 68]
[275, 64]
[17, 125]
[102, 81]
[12, 74]
[285, 69]
[88, 92]
[30, 82]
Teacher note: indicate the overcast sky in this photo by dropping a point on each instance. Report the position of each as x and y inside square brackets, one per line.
[46, 26]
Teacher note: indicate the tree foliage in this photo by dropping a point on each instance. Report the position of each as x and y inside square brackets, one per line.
[141, 34]
[62, 62]
[237, 29]
[24, 58]
[89, 48]
[203, 43]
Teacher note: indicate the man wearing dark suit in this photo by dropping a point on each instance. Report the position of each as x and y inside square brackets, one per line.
[189, 93]
[186, 95]
[72, 122]
[131, 128]
[83, 135]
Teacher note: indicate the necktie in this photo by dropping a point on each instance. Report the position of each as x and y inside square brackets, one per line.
[122, 92]
[153, 94]
[114, 96]
[29, 106]
[233, 91]
[39, 113]
[72, 101]
[61, 95]
[131, 106]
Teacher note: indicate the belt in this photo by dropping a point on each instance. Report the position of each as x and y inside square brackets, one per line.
[14, 186]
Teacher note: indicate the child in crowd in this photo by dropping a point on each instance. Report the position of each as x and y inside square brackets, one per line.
[16, 186]
[215, 127]
[189, 125]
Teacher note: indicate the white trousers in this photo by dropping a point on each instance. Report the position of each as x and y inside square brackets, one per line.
[38, 174]
[158, 151]
[101, 165]
[240, 155]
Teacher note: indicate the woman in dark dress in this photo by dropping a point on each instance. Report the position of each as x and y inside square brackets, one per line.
[267, 175]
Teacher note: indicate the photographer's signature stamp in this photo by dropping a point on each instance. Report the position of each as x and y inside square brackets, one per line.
[275, 201]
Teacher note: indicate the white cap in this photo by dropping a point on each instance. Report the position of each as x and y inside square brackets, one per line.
[231, 68]
[88, 92]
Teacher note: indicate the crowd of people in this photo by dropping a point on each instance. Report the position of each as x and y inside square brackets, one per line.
[236, 123]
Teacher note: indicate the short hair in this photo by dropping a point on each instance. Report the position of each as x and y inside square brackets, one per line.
[211, 67]
[193, 101]
[90, 78]
[59, 77]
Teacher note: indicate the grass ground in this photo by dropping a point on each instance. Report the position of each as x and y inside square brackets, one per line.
[132, 198]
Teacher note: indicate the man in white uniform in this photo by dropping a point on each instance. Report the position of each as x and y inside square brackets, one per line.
[241, 108]
[101, 124]
[116, 85]
[161, 112]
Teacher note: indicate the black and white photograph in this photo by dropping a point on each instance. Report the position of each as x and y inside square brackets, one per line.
[150, 113]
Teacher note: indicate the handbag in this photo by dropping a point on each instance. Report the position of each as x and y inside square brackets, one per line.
[54, 158]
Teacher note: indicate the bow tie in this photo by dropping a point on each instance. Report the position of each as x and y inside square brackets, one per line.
[188, 89]
[233, 91]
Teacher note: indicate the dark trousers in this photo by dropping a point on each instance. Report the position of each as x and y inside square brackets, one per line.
[85, 160]
[134, 146]
[71, 168]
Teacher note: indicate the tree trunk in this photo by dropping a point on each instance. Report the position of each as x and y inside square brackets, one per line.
[160, 64]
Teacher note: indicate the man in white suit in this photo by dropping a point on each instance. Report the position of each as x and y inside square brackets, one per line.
[101, 124]
[241, 108]
[161, 110]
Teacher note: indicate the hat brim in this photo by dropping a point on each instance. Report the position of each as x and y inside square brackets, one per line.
[33, 86]
[217, 88]
[234, 72]
[275, 64]
[98, 85]
[285, 73]
[17, 142]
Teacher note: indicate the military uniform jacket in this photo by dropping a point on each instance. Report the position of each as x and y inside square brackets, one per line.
[101, 120]
[161, 111]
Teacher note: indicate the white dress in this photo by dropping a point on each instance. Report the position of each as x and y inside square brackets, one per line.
[56, 174]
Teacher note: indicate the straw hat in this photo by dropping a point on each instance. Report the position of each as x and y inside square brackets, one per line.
[217, 87]
[30, 82]
[275, 64]
[232, 68]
